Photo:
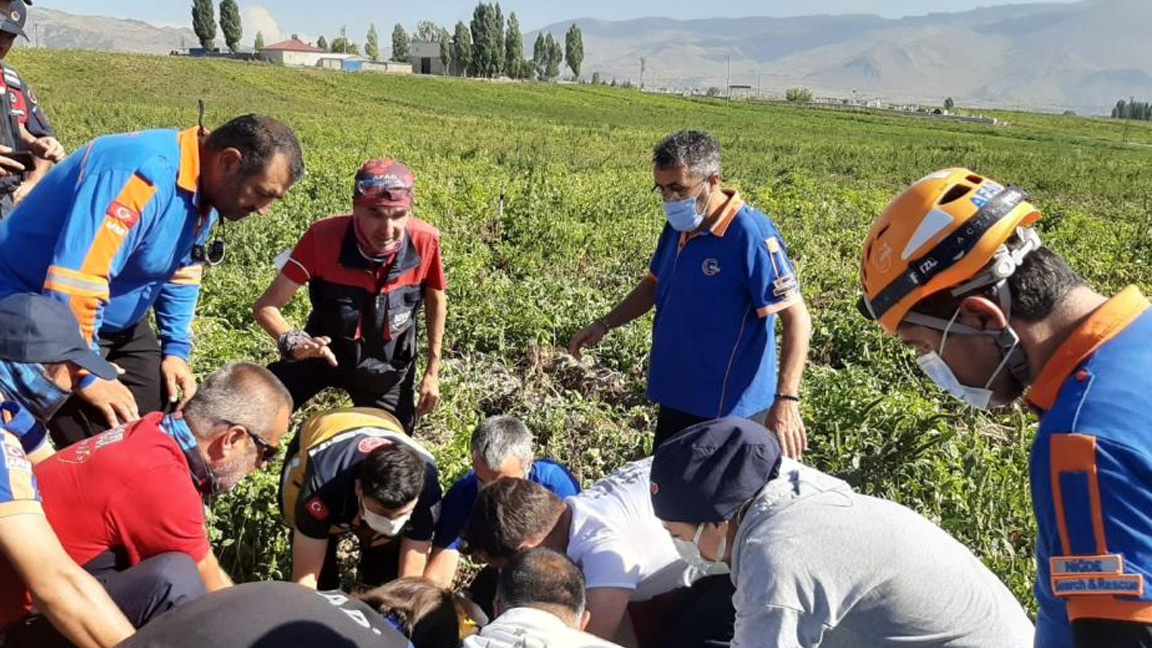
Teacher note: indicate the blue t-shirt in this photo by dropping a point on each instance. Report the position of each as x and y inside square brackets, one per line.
[717, 293]
[457, 504]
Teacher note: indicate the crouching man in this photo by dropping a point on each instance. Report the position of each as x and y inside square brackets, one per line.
[816, 564]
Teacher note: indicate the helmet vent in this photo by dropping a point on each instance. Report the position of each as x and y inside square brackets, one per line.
[955, 193]
[975, 179]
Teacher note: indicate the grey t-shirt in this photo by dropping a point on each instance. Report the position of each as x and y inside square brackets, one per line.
[816, 564]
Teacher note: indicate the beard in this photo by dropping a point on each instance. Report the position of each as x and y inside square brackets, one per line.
[230, 472]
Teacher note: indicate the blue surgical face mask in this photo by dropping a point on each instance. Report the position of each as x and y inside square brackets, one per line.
[682, 214]
[28, 385]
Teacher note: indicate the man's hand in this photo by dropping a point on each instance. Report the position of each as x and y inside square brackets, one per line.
[429, 395]
[48, 148]
[784, 420]
[8, 166]
[588, 336]
[178, 378]
[113, 399]
[316, 347]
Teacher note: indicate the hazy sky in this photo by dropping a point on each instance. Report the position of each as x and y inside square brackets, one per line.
[284, 17]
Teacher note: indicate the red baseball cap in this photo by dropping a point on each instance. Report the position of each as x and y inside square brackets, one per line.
[384, 183]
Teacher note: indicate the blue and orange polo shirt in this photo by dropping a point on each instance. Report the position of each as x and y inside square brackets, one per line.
[717, 293]
[1091, 472]
[110, 230]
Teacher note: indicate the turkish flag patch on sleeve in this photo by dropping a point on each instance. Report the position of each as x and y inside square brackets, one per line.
[127, 216]
[316, 508]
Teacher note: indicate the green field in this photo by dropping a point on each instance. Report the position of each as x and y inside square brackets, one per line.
[578, 227]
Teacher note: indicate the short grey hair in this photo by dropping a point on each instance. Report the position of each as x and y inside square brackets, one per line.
[697, 151]
[498, 438]
[239, 393]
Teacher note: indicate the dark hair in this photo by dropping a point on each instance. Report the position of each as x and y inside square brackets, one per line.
[427, 613]
[507, 513]
[393, 475]
[698, 151]
[1038, 286]
[259, 139]
[541, 578]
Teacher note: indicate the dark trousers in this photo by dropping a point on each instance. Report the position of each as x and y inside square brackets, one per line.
[306, 378]
[137, 352]
[378, 565]
[142, 593]
[701, 616]
[670, 421]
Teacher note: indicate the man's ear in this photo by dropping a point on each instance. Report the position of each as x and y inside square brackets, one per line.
[229, 160]
[584, 619]
[982, 314]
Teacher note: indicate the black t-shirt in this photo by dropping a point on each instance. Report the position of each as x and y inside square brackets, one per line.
[270, 615]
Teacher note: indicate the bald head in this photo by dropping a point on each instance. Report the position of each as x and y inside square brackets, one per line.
[240, 393]
[543, 579]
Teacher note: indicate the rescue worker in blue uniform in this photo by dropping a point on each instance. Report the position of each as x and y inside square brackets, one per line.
[955, 269]
[119, 228]
[719, 279]
[23, 125]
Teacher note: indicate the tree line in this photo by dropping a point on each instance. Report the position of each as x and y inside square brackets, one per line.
[490, 46]
[1132, 110]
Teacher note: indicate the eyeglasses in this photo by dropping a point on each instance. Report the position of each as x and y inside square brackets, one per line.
[387, 188]
[268, 451]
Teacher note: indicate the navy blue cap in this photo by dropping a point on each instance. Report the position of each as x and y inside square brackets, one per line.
[38, 329]
[708, 471]
[13, 20]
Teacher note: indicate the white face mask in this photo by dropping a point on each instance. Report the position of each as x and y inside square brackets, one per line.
[690, 551]
[934, 366]
[383, 525]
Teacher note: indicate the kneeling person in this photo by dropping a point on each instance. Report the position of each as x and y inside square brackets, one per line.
[817, 564]
[635, 578]
[356, 471]
[502, 446]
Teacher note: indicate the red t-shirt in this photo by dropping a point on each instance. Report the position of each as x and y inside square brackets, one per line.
[317, 255]
[129, 488]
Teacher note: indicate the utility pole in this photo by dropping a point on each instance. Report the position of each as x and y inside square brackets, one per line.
[728, 80]
[759, 75]
[643, 65]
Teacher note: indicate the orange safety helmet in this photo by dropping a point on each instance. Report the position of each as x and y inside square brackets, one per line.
[946, 231]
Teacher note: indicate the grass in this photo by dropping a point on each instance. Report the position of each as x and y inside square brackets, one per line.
[575, 235]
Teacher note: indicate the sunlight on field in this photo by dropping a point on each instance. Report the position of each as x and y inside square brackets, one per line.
[577, 229]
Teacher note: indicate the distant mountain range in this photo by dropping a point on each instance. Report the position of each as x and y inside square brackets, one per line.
[1083, 56]
[59, 30]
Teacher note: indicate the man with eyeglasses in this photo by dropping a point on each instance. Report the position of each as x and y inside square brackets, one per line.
[368, 274]
[718, 279]
[128, 504]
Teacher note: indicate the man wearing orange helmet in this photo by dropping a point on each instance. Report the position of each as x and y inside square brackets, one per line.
[954, 269]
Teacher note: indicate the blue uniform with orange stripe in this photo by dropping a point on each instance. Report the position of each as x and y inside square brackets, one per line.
[110, 232]
[1092, 473]
[717, 294]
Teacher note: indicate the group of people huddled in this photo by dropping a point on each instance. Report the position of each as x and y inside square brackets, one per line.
[721, 536]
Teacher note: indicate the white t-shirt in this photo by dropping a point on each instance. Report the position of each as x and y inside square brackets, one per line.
[531, 628]
[618, 542]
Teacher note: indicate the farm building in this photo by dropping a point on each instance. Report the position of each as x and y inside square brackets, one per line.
[295, 52]
[425, 58]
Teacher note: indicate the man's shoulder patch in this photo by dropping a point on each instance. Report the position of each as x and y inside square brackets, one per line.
[316, 508]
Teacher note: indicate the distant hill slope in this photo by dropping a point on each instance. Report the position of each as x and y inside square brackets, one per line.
[59, 30]
[1082, 56]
